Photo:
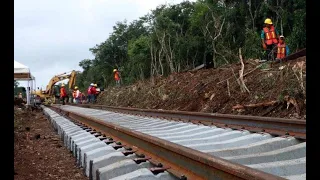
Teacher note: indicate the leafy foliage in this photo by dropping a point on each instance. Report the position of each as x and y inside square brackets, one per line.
[174, 38]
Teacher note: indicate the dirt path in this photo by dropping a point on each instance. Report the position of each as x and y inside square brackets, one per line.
[38, 151]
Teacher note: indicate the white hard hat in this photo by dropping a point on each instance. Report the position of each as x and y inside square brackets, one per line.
[281, 36]
[91, 84]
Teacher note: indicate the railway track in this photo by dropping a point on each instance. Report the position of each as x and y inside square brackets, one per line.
[176, 145]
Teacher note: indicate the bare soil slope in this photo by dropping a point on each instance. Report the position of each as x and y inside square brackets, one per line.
[275, 91]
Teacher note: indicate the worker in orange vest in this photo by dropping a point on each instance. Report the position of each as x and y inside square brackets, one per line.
[282, 49]
[269, 37]
[117, 76]
[63, 94]
[77, 95]
[97, 92]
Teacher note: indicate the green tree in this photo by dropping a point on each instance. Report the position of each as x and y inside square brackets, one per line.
[179, 37]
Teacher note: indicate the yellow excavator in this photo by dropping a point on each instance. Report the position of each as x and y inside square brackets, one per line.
[52, 91]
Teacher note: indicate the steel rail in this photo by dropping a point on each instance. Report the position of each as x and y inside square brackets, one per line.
[271, 125]
[193, 164]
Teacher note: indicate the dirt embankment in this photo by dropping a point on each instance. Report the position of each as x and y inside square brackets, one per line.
[275, 91]
[38, 151]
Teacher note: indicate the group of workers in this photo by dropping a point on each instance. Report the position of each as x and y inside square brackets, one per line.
[78, 97]
[92, 91]
[273, 43]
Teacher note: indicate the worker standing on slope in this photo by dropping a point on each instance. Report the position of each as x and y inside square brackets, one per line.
[77, 95]
[117, 76]
[90, 93]
[269, 37]
[63, 94]
[282, 49]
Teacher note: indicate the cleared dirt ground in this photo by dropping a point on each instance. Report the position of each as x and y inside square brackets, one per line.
[38, 151]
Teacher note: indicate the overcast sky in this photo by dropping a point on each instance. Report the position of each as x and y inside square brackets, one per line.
[53, 36]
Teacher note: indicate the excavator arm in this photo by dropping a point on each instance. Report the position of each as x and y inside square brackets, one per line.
[49, 92]
[72, 78]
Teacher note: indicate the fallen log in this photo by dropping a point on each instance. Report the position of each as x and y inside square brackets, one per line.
[270, 103]
[287, 99]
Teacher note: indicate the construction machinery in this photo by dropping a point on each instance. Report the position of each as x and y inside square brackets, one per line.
[52, 91]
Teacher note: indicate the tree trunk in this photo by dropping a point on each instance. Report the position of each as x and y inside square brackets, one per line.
[168, 53]
[160, 63]
[214, 55]
[151, 64]
[194, 59]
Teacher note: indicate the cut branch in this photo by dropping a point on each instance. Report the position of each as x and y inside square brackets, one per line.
[243, 86]
[243, 75]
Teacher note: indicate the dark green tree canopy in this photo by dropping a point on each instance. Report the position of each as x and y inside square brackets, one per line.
[174, 38]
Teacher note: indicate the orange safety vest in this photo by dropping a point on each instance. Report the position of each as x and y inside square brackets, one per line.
[116, 76]
[270, 35]
[281, 51]
[63, 92]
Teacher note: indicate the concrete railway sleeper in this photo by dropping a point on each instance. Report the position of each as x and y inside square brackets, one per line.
[274, 126]
[186, 150]
[103, 158]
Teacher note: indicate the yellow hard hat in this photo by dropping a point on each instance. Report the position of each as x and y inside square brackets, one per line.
[268, 21]
[95, 85]
[76, 87]
[114, 70]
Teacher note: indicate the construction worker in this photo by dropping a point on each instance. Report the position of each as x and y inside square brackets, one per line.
[77, 95]
[282, 49]
[83, 98]
[20, 96]
[74, 95]
[269, 37]
[63, 94]
[90, 92]
[93, 93]
[97, 92]
[116, 77]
